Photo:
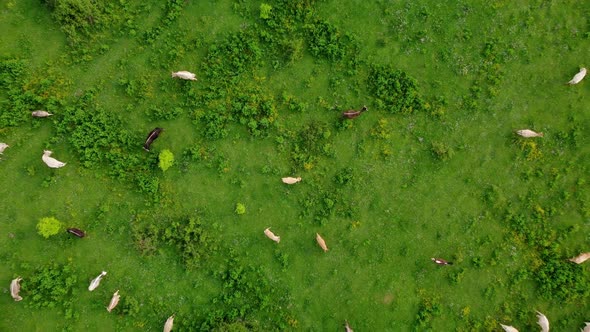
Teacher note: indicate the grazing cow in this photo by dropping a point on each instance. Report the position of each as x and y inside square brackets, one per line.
[151, 137]
[114, 301]
[578, 77]
[441, 261]
[185, 75]
[581, 258]
[528, 133]
[96, 281]
[271, 235]
[3, 147]
[41, 114]
[78, 232]
[51, 162]
[290, 180]
[351, 114]
[508, 328]
[543, 322]
[15, 289]
[321, 242]
[347, 327]
[586, 328]
[169, 323]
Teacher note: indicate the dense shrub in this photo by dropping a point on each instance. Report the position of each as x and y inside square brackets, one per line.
[246, 295]
[255, 110]
[562, 281]
[238, 53]
[394, 90]
[51, 286]
[191, 238]
[326, 41]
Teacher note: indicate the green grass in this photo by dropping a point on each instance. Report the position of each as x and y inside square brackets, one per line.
[401, 207]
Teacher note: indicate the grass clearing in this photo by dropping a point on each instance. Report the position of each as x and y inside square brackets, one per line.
[435, 171]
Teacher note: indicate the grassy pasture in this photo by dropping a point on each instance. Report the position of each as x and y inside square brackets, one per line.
[387, 191]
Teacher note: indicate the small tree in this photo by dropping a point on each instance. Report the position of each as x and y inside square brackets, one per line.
[265, 10]
[48, 226]
[166, 159]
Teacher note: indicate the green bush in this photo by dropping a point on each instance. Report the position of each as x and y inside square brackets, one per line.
[240, 209]
[166, 159]
[49, 226]
[394, 89]
[51, 286]
[265, 10]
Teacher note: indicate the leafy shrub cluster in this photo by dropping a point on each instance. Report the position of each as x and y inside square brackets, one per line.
[172, 10]
[561, 280]
[51, 286]
[394, 89]
[21, 94]
[428, 309]
[255, 110]
[238, 53]
[326, 41]
[309, 143]
[187, 234]
[165, 159]
[247, 294]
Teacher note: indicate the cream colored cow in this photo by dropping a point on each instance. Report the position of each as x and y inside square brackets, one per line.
[321, 242]
[169, 323]
[271, 235]
[50, 161]
[114, 301]
[581, 258]
[543, 322]
[528, 133]
[290, 180]
[96, 281]
[185, 75]
[15, 289]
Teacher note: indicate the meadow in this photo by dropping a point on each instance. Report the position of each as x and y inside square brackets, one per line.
[434, 168]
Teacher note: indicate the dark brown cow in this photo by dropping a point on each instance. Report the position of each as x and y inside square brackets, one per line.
[151, 137]
[78, 232]
[351, 114]
[441, 261]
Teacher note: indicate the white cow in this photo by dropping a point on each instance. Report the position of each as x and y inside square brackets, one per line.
[185, 75]
[15, 289]
[51, 162]
[543, 322]
[290, 180]
[3, 147]
[578, 77]
[114, 301]
[581, 258]
[586, 328]
[169, 323]
[508, 328]
[271, 235]
[529, 133]
[96, 281]
[41, 114]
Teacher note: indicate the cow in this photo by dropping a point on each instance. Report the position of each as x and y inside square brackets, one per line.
[528, 133]
[441, 261]
[51, 162]
[77, 232]
[271, 235]
[351, 114]
[40, 114]
[581, 258]
[543, 322]
[169, 323]
[114, 301]
[3, 147]
[508, 328]
[185, 75]
[578, 77]
[321, 242]
[290, 180]
[151, 137]
[586, 328]
[15, 289]
[347, 327]
[96, 281]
